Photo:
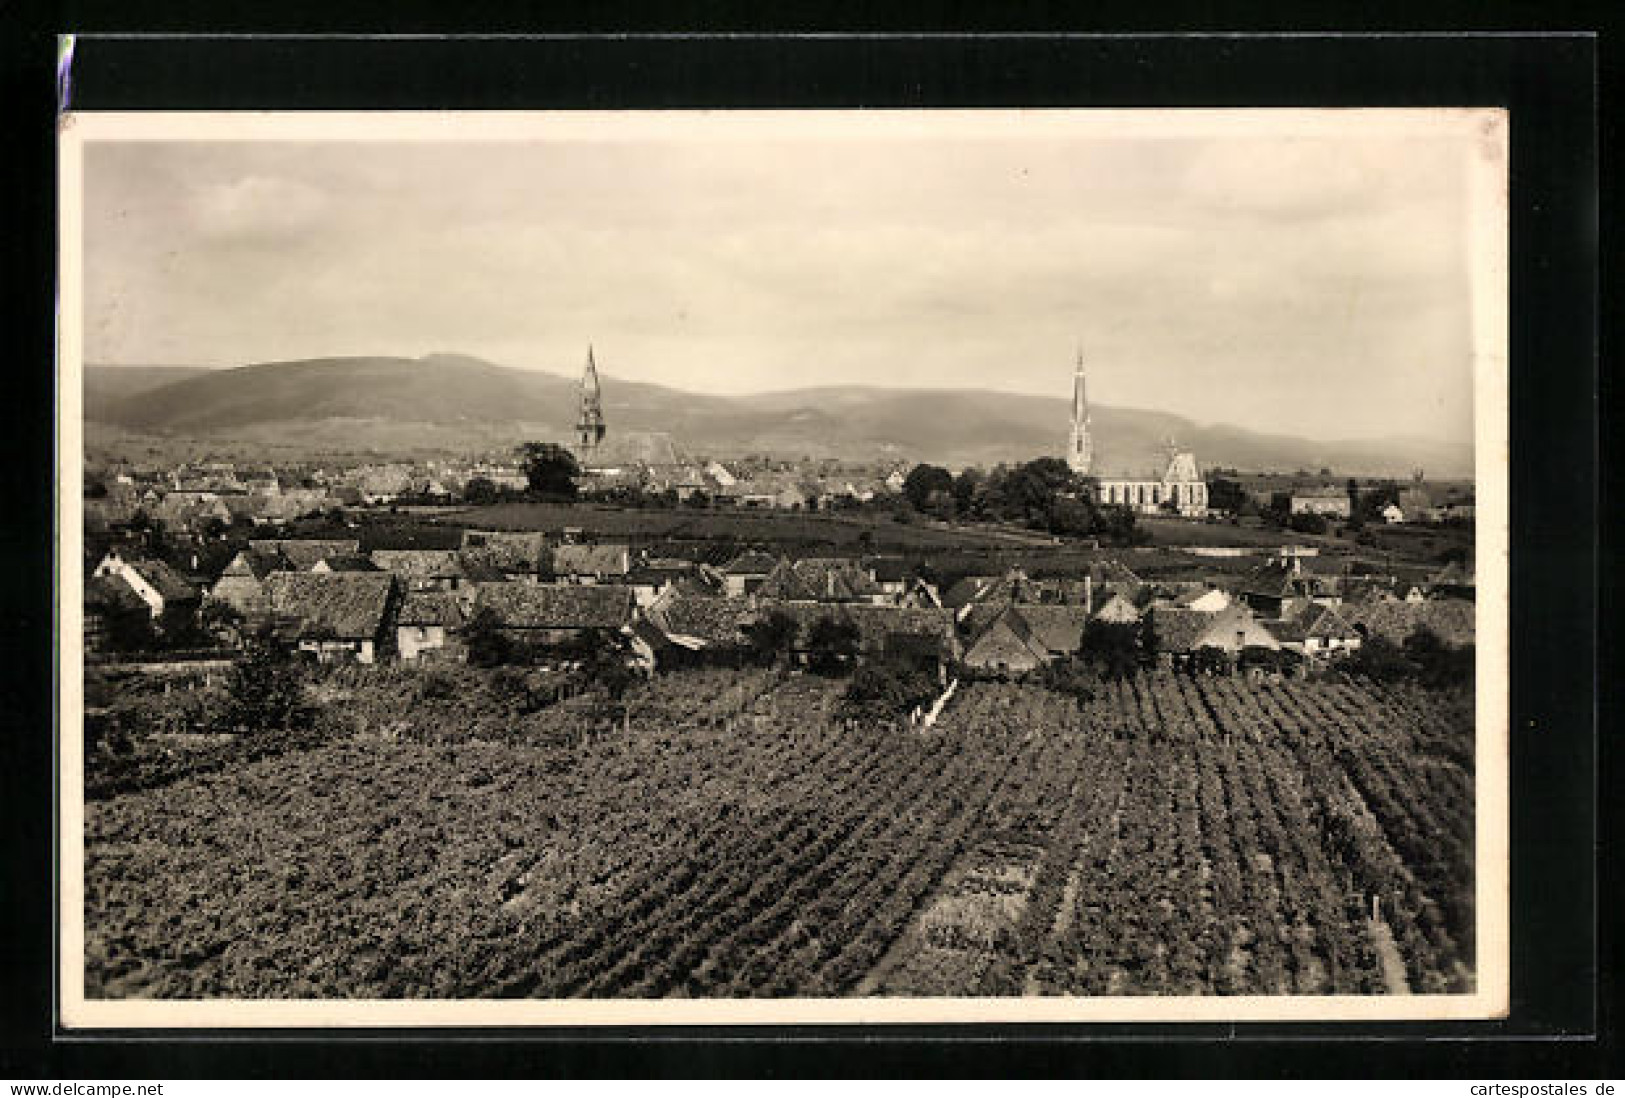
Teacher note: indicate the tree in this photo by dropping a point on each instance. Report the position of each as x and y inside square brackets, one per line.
[1114, 649]
[832, 646]
[1307, 522]
[487, 645]
[1224, 494]
[924, 480]
[267, 690]
[884, 690]
[771, 637]
[1074, 516]
[480, 491]
[550, 470]
[968, 489]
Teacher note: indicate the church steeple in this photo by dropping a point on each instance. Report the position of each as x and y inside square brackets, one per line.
[590, 428]
[1080, 447]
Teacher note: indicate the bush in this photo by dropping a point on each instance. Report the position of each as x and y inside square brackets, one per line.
[267, 691]
[884, 690]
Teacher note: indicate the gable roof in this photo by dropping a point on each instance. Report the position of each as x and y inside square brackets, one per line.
[302, 553]
[107, 593]
[169, 584]
[430, 608]
[349, 605]
[752, 562]
[814, 579]
[1452, 619]
[419, 563]
[347, 563]
[714, 620]
[1006, 625]
[556, 605]
[1117, 610]
[1179, 630]
[592, 560]
[513, 550]
[879, 624]
[257, 563]
[1057, 628]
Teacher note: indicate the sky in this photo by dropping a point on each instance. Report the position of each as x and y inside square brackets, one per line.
[1313, 285]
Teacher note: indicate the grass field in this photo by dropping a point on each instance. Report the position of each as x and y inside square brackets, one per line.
[1170, 836]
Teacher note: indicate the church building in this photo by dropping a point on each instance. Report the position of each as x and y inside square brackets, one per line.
[1179, 486]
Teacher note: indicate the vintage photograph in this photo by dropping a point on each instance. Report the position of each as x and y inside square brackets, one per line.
[819, 566]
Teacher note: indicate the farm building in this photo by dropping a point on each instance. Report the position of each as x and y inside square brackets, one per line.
[334, 616]
[110, 605]
[1019, 637]
[165, 591]
[1117, 610]
[1329, 500]
[820, 579]
[1451, 619]
[586, 564]
[303, 553]
[553, 614]
[1181, 633]
[511, 552]
[242, 584]
[745, 573]
[422, 569]
[426, 626]
[1316, 631]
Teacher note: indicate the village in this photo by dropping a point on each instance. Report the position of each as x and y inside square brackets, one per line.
[390, 562]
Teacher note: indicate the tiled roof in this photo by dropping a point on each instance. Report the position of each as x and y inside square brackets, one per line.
[1452, 619]
[303, 553]
[592, 560]
[714, 620]
[350, 563]
[751, 563]
[1007, 624]
[517, 551]
[834, 579]
[108, 593]
[419, 563]
[165, 580]
[1117, 610]
[430, 608]
[348, 605]
[1058, 628]
[556, 605]
[257, 563]
[876, 624]
[1178, 630]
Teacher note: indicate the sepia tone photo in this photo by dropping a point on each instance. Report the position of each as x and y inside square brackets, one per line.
[775, 567]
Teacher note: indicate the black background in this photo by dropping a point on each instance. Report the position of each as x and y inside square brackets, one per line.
[1562, 975]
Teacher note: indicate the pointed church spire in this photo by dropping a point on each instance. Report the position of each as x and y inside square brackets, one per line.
[1080, 447]
[590, 427]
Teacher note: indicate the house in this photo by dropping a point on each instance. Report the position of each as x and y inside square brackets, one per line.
[1452, 620]
[242, 584]
[334, 616]
[745, 573]
[719, 475]
[820, 579]
[1006, 644]
[555, 614]
[1179, 633]
[347, 562]
[1391, 514]
[166, 593]
[303, 553]
[110, 607]
[699, 624]
[891, 631]
[648, 578]
[586, 564]
[422, 569]
[1316, 631]
[1453, 581]
[890, 574]
[1211, 599]
[1057, 628]
[514, 553]
[1325, 500]
[426, 626]
[1117, 610]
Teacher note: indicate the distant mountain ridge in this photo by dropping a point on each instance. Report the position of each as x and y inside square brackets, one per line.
[457, 398]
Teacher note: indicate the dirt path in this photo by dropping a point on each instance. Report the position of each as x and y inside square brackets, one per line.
[1063, 922]
[1393, 965]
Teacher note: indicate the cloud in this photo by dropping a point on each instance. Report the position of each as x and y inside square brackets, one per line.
[258, 208]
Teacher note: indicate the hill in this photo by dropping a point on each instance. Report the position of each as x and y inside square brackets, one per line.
[447, 400]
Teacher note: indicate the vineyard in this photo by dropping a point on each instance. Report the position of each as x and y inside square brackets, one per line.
[729, 835]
